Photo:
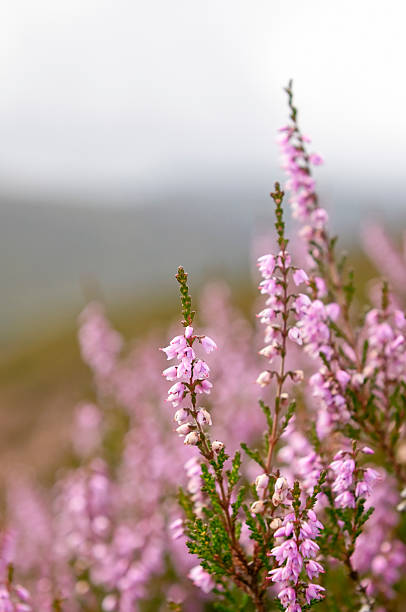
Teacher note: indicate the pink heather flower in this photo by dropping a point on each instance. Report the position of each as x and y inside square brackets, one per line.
[208, 344]
[201, 579]
[287, 596]
[181, 415]
[295, 335]
[300, 276]
[367, 450]
[100, 345]
[264, 378]
[203, 417]
[313, 568]
[314, 591]
[345, 500]
[176, 346]
[200, 369]
[343, 378]
[320, 287]
[362, 489]
[371, 476]
[316, 159]
[171, 373]
[267, 315]
[176, 528]
[319, 218]
[308, 548]
[266, 265]
[175, 393]
[188, 332]
[204, 386]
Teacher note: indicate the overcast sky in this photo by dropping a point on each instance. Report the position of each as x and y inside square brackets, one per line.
[99, 96]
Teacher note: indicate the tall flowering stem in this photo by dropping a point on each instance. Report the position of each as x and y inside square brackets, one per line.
[352, 347]
[214, 534]
[348, 487]
[298, 163]
[277, 272]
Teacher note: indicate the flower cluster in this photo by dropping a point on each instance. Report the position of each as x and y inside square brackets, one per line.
[296, 163]
[378, 549]
[386, 357]
[297, 559]
[191, 375]
[351, 482]
[100, 345]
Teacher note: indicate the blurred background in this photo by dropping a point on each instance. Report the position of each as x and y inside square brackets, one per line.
[137, 136]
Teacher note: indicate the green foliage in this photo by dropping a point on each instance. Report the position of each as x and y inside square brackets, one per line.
[242, 493]
[267, 412]
[289, 414]
[254, 454]
[186, 300]
[186, 504]
[234, 475]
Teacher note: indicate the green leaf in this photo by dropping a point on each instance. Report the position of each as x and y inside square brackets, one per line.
[254, 454]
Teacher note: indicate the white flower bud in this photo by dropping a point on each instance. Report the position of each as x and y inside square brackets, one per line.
[192, 438]
[280, 491]
[276, 523]
[281, 484]
[258, 506]
[184, 429]
[217, 446]
[264, 379]
[297, 376]
[203, 417]
[270, 350]
[181, 415]
[284, 398]
[261, 482]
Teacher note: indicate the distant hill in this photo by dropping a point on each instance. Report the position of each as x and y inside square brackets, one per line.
[52, 254]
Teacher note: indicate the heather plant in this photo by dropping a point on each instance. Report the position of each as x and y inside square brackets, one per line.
[286, 487]
[355, 370]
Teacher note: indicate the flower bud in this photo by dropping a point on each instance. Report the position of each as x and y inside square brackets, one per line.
[270, 350]
[281, 484]
[258, 506]
[192, 438]
[264, 378]
[217, 446]
[280, 491]
[275, 523]
[297, 376]
[203, 417]
[184, 429]
[188, 331]
[261, 482]
[181, 415]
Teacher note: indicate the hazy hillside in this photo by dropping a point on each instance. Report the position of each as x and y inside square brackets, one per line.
[51, 255]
